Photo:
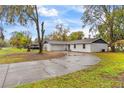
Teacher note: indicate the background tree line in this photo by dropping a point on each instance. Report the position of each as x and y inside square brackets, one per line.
[63, 33]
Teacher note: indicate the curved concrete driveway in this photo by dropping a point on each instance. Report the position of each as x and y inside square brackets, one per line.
[14, 74]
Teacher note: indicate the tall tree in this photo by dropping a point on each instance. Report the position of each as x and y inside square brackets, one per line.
[76, 35]
[61, 33]
[23, 15]
[118, 29]
[102, 17]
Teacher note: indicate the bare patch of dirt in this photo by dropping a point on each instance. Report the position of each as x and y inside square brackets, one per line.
[30, 56]
[108, 77]
[121, 77]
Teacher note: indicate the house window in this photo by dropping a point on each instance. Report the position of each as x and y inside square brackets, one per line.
[84, 46]
[74, 45]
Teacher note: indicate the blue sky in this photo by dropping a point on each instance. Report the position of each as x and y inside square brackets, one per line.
[70, 16]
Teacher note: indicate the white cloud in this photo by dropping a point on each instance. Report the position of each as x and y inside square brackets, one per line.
[73, 21]
[47, 12]
[61, 21]
[78, 8]
[58, 21]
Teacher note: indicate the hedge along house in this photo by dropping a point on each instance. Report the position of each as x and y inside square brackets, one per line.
[85, 45]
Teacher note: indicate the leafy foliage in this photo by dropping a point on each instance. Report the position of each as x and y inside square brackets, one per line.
[76, 35]
[107, 20]
[23, 14]
[119, 45]
[60, 33]
[19, 40]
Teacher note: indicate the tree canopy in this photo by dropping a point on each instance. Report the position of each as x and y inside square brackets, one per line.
[20, 39]
[23, 14]
[61, 33]
[76, 35]
[107, 20]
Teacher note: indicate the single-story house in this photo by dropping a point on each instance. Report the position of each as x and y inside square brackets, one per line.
[84, 45]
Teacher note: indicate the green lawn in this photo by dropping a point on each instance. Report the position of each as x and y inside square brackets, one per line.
[5, 51]
[103, 75]
[14, 55]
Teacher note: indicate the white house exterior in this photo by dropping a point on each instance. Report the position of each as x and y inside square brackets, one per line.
[98, 47]
[85, 45]
[79, 48]
[55, 45]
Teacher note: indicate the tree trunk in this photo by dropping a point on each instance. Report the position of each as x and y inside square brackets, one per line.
[42, 48]
[38, 30]
[42, 36]
[112, 40]
[39, 40]
[111, 43]
[111, 22]
[28, 48]
[112, 48]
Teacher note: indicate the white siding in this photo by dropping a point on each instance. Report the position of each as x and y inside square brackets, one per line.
[93, 47]
[79, 48]
[47, 47]
[55, 47]
[98, 47]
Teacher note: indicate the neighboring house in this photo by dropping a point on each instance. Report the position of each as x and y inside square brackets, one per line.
[85, 45]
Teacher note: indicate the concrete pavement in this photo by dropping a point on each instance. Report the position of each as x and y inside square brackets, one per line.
[14, 74]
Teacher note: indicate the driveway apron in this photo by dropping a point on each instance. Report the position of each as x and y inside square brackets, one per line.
[15, 74]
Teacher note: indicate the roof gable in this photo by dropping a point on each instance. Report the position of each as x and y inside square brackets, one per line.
[99, 41]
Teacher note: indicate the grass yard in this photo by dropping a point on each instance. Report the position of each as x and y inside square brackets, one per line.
[104, 75]
[5, 51]
[14, 55]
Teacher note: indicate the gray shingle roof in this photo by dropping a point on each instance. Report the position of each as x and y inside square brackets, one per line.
[57, 42]
[86, 41]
